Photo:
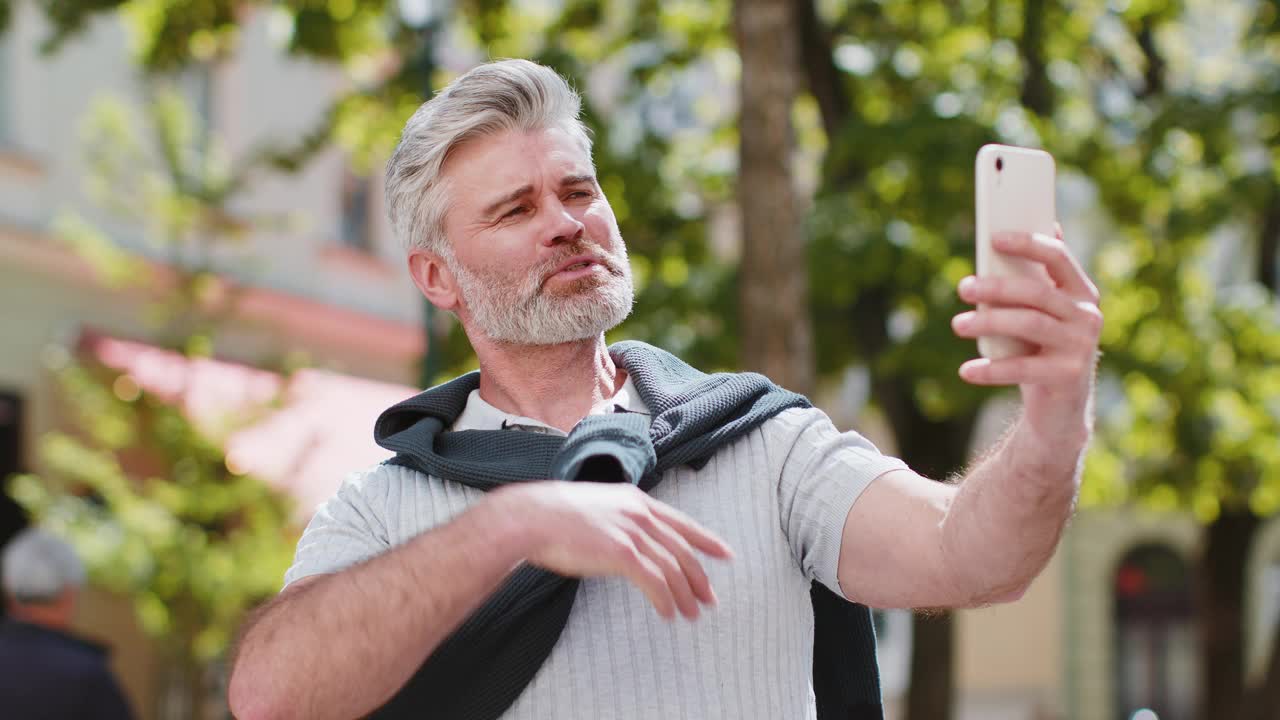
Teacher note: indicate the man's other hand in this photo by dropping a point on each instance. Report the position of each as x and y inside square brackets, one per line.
[585, 529]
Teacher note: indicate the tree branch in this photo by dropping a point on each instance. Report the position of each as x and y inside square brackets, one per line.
[1037, 92]
[1154, 74]
[817, 63]
[777, 333]
[1269, 241]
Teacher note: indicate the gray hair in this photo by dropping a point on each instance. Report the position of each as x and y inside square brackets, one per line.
[490, 99]
[39, 566]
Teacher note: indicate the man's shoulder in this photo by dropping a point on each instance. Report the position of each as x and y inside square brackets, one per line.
[383, 476]
[25, 647]
[805, 430]
[389, 485]
[49, 673]
[778, 434]
[790, 423]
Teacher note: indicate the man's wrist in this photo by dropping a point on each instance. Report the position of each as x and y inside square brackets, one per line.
[508, 520]
[1039, 456]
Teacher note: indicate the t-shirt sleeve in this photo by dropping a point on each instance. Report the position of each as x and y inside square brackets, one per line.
[823, 471]
[348, 528]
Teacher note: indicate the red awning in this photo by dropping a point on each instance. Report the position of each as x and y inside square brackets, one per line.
[302, 434]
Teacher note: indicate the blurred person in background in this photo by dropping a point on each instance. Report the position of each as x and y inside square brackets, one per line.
[45, 671]
[475, 576]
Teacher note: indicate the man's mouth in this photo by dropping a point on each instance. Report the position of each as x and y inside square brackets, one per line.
[579, 264]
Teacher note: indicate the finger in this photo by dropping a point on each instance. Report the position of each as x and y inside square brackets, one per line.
[1057, 230]
[1017, 291]
[1031, 325]
[1054, 255]
[676, 581]
[697, 535]
[683, 553]
[645, 574]
[1021, 370]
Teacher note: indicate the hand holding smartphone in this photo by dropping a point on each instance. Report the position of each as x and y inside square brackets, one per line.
[1014, 192]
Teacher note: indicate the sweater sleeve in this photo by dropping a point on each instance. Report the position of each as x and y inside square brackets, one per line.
[822, 473]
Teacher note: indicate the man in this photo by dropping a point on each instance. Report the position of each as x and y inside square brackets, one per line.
[44, 671]
[469, 578]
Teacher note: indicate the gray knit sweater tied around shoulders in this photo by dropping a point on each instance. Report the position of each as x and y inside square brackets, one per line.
[480, 670]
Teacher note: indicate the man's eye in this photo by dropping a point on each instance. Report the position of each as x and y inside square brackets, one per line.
[516, 211]
[577, 194]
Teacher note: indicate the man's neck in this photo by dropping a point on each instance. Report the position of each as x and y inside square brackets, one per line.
[54, 616]
[554, 384]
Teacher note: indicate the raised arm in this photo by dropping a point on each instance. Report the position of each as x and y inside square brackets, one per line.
[340, 645]
[912, 542]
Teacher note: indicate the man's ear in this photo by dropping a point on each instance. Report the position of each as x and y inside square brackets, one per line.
[434, 279]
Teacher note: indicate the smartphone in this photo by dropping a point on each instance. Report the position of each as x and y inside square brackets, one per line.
[1014, 190]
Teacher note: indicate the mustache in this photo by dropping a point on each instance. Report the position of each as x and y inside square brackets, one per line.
[548, 268]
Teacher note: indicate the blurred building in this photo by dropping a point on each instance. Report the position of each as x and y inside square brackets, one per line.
[332, 290]
[1106, 629]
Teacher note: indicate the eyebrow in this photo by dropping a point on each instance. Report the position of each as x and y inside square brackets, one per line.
[523, 190]
[568, 180]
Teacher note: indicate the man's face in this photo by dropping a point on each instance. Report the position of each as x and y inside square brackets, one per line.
[537, 254]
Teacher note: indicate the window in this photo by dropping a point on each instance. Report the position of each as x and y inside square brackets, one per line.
[1156, 659]
[12, 518]
[356, 231]
[6, 102]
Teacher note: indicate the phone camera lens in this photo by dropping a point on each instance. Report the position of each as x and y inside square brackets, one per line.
[999, 164]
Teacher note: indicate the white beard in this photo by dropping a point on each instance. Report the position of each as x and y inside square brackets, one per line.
[521, 311]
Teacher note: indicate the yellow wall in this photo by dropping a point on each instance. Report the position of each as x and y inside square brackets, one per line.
[1015, 646]
[109, 619]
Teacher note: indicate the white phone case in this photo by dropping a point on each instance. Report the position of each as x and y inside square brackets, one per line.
[1014, 190]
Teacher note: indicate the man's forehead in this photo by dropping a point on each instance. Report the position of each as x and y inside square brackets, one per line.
[514, 156]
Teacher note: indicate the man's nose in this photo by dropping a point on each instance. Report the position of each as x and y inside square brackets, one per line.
[562, 226]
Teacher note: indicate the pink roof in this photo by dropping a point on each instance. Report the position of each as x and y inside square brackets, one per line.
[302, 434]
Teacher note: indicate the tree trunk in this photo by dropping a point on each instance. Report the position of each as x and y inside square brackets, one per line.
[821, 76]
[826, 83]
[932, 448]
[777, 336]
[1269, 241]
[935, 449]
[1153, 77]
[1037, 91]
[186, 686]
[194, 673]
[1263, 700]
[932, 667]
[1220, 585]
